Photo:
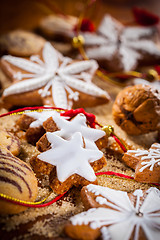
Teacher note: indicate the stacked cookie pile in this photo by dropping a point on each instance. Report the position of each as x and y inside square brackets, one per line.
[106, 193]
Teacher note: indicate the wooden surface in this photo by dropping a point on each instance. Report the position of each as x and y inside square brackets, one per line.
[26, 14]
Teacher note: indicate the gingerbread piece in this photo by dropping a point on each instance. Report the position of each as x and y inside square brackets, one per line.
[66, 133]
[21, 43]
[17, 180]
[10, 141]
[36, 122]
[137, 109]
[146, 163]
[51, 79]
[32, 123]
[75, 163]
[77, 124]
[117, 215]
[73, 141]
[122, 48]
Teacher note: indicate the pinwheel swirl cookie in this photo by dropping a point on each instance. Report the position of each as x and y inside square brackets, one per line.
[146, 163]
[69, 153]
[117, 215]
[51, 79]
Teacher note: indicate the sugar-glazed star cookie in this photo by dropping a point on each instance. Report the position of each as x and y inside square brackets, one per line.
[146, 163]
[68, 162]
[120, 48]
[51, 79]
[37, 123]
[32, 123]
[117, 215]
[69, 150]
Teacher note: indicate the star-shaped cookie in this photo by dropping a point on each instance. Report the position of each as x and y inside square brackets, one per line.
[122, 48]
[117, 215]
[67, 162]
[70, 157]
[37, 123]
[51, 79]
[146, 163]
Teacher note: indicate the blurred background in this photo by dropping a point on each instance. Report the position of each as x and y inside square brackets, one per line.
[27, 14]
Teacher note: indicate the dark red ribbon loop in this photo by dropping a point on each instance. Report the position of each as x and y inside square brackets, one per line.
[73, 112]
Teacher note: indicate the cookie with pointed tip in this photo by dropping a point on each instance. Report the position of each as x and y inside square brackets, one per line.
[21, 43]
[73, 162]
[17, 180]
[146, 163]
[137, 109]
[116, 215]
[51, 79]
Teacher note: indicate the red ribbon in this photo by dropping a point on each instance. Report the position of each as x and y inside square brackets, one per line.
[86, 26]
[73, 112]
[36, 205]
[119, 142]
[157, 68]
[29, 108]
[110, 173]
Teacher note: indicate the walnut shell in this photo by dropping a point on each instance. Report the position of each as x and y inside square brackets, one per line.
[137, 109]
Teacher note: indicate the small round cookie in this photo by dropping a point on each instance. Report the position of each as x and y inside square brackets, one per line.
[58, 27]
[17, 180]
[21, 43]
[11, 142]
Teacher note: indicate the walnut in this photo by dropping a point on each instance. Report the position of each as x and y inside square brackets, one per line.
[137, 109]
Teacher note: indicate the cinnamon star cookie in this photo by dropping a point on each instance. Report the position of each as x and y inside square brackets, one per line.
[69, 154]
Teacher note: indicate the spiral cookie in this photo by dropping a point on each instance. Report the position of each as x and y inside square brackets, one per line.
[10, 141]
[16, 180]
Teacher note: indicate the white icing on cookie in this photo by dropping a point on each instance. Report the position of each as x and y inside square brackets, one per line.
[152, 156]
[51, 74]
[78, 124]
[127, 43]
[70, 157]
[155, 84]
[122, 218]
[68, 128]
[156, 145]
[41, 117]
